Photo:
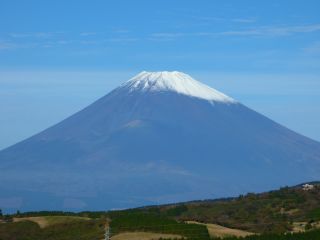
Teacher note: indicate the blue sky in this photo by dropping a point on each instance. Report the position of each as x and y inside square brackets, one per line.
[58, 56]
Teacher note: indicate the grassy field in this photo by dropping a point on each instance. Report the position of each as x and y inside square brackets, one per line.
[46, 221]
[136, 221]
[55, 230]
[144, 236]
[219, 231]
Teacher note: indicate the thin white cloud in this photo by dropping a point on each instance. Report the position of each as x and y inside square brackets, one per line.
[85, 34]
[32, 35]
[252, 32]
[52, 39]
[314, 48]
[208, 20]
[90, 42]
[63, 42]
[122, 39]
[7, 45]
[273, 30]
[121, 31]
[166, 36]
[243, 20]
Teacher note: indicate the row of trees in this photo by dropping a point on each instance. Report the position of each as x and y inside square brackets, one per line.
[7, 217]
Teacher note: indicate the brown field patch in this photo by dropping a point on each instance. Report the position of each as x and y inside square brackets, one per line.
[144, 236]
[216, 230]
[50, 220]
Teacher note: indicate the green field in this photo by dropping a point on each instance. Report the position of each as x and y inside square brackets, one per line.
[135, 221]
[58, 229]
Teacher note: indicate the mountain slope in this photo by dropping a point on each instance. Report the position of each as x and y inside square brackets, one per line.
[160, 137]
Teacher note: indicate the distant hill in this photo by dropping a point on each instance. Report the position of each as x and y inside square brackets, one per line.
[274, 211]
[290, 213]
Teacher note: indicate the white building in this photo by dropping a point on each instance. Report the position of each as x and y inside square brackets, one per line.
[307, 187]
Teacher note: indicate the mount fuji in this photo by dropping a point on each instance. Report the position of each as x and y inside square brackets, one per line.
[159, 137]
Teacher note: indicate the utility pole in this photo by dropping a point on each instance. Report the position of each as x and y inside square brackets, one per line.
[107, 233]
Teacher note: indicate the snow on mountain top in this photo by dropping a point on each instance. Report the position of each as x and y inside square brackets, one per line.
[177, 82]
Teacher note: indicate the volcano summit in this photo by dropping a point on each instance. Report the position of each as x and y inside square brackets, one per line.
[159, 137]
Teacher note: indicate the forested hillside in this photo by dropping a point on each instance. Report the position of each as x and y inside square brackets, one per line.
[289, 213]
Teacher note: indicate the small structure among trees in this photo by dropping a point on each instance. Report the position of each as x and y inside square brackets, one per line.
[307, 187]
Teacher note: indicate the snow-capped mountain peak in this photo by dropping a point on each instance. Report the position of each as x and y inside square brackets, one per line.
[177, 82]
[134, 147]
